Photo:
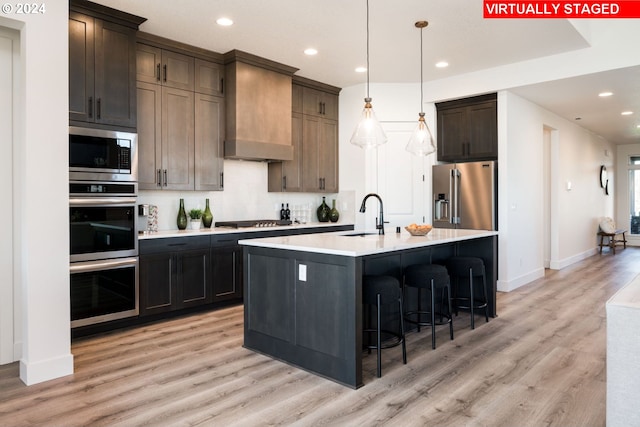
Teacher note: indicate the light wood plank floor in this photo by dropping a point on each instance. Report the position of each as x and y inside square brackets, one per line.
[540, 362]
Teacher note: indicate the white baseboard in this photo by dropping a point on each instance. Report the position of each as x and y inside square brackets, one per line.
[560, 264]
[45, 370]
[508, 286]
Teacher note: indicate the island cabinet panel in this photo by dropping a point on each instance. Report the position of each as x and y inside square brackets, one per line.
[272, 300]
[319, 301]
[311, 323]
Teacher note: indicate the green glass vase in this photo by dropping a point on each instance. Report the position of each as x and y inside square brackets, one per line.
[323, 211]
[182, 216]
[207, 216]
[334, 215]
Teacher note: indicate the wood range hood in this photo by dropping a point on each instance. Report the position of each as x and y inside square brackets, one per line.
[258, 108]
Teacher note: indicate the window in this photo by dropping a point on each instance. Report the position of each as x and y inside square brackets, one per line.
[634, 194]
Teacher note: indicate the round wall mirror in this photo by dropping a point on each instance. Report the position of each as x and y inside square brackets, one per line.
[603, 176]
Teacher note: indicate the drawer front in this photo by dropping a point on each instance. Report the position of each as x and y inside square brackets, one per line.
[172, 244]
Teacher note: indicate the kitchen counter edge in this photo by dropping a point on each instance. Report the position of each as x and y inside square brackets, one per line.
[344, 243]
[227, 230]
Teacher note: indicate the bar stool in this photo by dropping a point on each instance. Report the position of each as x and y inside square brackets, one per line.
[379, 291]
[435, 279]
[468, 268]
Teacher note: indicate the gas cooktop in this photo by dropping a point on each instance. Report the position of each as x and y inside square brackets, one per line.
[253, 223]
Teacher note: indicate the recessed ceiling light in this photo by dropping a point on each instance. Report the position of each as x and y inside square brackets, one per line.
[442, 64]
[627, 113]
[224, 22]
[605, 94]
[361, 70]
[310, 51]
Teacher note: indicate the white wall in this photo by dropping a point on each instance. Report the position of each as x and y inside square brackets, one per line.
[245, 197]
[9, 42]
[576, 156]
[40, 204]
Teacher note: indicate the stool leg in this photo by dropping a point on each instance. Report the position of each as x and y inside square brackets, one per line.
[486, 300]
[378, 334]
[471, 299]
[418, 315]
[404, 347]
[450, 312]
[601, 242]
[433, 316]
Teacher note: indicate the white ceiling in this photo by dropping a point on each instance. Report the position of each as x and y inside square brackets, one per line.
[457, 33]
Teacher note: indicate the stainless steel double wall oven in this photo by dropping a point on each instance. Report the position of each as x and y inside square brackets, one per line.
[103, 225]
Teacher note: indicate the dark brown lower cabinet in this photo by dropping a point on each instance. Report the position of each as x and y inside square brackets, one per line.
[226, 272]
[174, 274]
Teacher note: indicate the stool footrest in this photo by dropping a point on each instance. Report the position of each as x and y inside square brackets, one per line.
[445, 316]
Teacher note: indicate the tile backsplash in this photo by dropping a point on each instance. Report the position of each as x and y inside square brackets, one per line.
[245, 197]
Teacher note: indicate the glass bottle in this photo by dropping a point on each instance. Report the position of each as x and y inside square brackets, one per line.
[287, 213]
[334, 214]
[282, 213]
[323, 211]
[207, 216]
[182, 216]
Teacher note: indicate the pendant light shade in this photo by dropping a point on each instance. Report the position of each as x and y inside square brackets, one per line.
[368, 132]
[421, 140]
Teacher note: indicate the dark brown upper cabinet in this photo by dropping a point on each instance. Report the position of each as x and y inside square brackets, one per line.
[468, 129]
[102, 65]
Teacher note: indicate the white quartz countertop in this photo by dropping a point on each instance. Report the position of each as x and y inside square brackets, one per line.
[628, 296]
[228, 230]
[340, 243]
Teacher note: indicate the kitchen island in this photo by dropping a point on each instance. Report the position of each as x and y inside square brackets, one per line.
[303, 293]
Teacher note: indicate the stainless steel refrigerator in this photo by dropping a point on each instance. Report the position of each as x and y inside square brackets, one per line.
[465, 195]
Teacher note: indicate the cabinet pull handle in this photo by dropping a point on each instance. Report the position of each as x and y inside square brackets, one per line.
[221, 179]
[158, 71]
[284, 182]
[90, 112]
[98, 107]
[221, 85]
[319, 107]
[324, 109]
[165, 72]
[159, 178]
[165, 177]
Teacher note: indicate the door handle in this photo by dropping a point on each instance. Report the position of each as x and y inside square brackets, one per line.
[158, 72]
[90, 109]
[165, 177]
[159, 178]
[98, 107]
[165, 72]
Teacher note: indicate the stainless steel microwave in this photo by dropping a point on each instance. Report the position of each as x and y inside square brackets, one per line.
[102, 155]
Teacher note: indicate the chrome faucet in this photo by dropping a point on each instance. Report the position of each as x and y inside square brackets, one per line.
[379, 221]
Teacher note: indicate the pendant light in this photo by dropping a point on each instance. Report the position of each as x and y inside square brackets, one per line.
[421, 141]
[368, 132]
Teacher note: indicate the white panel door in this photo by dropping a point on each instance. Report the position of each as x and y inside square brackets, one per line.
[402, 180]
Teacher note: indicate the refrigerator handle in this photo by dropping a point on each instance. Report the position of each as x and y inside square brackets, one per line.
[455, 196]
